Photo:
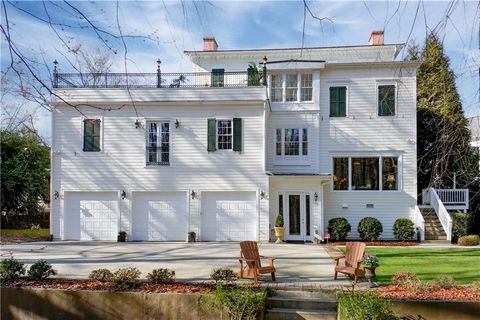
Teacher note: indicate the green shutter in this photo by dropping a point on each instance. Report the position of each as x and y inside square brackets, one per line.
[342, 101]
[237, 134]
[212, 135]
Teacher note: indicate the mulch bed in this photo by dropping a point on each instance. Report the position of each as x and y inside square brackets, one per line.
[379, 243]
[463, 293]
[76, 284]
[8, 239]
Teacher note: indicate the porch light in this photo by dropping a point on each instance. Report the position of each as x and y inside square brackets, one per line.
[193, 194]
[177, 123]
[137, 124]
[123, 195]
[263, 194]
[315, 196]
[56, 194]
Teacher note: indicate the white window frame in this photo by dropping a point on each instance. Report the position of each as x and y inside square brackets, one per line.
[380, 170]
[159, 154]
[347, 98]
[386, 83]
[82, 134]
[300, 142]
[299, 87]
[216, 133]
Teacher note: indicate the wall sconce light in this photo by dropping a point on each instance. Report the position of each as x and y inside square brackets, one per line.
[137, 124]
[315, 197]
[177, 123]
[263, 195]
[56, 194]
[193, 194]
[123, 195]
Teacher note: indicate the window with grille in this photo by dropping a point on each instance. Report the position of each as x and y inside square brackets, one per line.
[306, 87]
[91, 135]
[224, 135]
[291, 87]
[291, 141]
[158, 143]
[276, 88]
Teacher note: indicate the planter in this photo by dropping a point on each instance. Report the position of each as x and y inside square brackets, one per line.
[279, 233]
[192, 237]
[370, 275]
[122, 237]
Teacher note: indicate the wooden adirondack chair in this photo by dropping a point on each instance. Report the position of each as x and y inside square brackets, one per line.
[250, 262]
[353, 257]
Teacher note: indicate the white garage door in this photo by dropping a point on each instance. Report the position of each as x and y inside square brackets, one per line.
[91, 215]
[160, 216]
[229, 216]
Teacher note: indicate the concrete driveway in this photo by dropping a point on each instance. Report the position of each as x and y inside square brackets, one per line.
[295, 263]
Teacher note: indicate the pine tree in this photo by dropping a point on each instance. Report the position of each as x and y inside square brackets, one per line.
[443, 136]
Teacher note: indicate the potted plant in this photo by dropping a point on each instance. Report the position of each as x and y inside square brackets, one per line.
[122, 236]
[192, 236]
[370, 262]
[279, 229]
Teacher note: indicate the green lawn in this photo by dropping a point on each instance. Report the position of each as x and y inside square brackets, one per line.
[462, 264]
[25, 232]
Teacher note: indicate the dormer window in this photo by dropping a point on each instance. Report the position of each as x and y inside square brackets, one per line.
[291, 87]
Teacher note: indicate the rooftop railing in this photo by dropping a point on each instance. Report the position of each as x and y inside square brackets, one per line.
[157, 80]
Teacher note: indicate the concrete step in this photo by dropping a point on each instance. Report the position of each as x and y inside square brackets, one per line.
[300, 303]
[438, 231]
[436, 241]
[306, 314]
[324, 295]
[434, 237]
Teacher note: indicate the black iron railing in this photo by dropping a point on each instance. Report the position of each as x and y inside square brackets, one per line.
[157, 80]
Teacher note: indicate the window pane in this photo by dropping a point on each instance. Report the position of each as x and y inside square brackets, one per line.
[278, 142]
[158, 143]
[386, 100]
[365, 173]
[280, 204]
[291, 87]
[390, 173]
[292, 142]
[307, 214]
[217, 77]
[306, 87]
[165, 138]
[276, 88]
[294, 214]
[304, 141]
[224, 134]
[91, 135]
[340, 173]
[338, 98]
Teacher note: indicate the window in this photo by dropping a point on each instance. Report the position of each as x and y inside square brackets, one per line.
[386, 100]
[91, 135]
[291, 88]
[218, 76]
[280, 204]
[158, 143]
[224, 134]
[307, 214]
[291, 142]
[276, 90]
[306, 87]
[365, 174]
[340, 173]
[338, 101]
[389, 173]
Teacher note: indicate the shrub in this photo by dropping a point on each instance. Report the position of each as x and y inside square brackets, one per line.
[223, 275]
[237, 303]
[363, 306]
[403, 229]
[444, 282]
[339, 228]
[476, 287]
[102, 275]
[10, 270]
[471, 240]
[410, 281]
[126, 278]
[279, 221]
[162, 275]
[461, 224]
[370, 229]
[41, 270]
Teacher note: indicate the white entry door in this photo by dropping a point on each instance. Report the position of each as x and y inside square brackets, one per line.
[297, 218]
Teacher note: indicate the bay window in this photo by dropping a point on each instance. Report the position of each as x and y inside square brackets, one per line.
[365, 173]
[389, 173]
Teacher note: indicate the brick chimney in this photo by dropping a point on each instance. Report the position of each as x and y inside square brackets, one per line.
[376, 38]
[210, 44]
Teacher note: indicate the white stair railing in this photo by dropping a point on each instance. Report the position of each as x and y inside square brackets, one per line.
[419, 222]
[441, 212]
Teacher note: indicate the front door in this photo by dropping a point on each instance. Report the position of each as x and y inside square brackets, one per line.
[298, 217]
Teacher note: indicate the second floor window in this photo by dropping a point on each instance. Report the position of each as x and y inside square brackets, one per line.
[158, 143]
[277, 88]
[91, 135]
[291, 87]
[218, 77]
[224, 135]
[338, 101]
[291, 142]
[386, 100]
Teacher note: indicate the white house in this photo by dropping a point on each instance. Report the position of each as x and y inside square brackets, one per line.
[332, 134]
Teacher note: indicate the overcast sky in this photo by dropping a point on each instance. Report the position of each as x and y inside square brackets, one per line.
[174, 26]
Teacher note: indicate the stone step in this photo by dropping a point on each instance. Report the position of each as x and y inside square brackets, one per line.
[306, 314]
[436, 241]
[324, 295]
[435, 237]
[300, 303]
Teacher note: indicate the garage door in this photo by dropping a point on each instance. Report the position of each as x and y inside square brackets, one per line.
[160, 216]
[91, 215]
[229, 216]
